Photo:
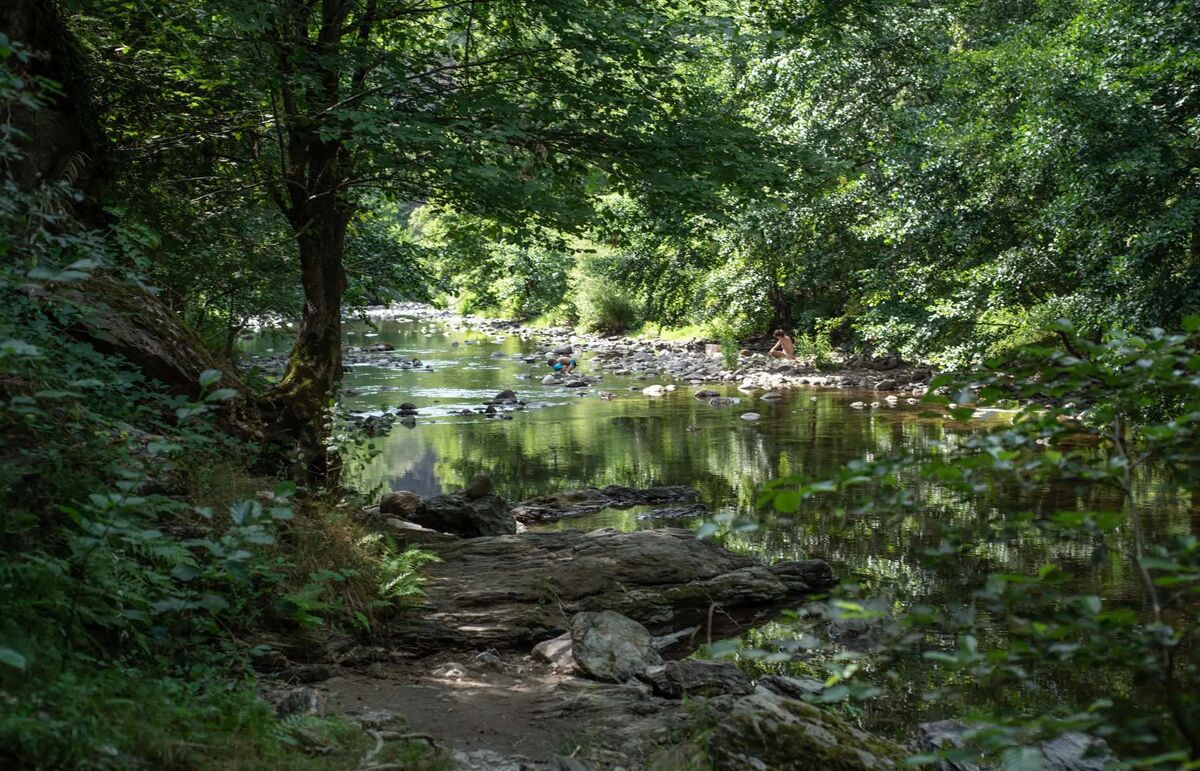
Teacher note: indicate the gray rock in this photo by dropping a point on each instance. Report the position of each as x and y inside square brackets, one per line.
[1077, 751]
[488, 514]
[610, 646]
[1072, 751]
[706, 394]
[556, 652]
[479, 486]
[400, 503]
[505, 396]
[574, 503]
[886, 385]
[677, 512]
[766, 731]
[564, 350]
[408, 534]
[299, 700]
[514, 591]
[791, 687]
[677, 679]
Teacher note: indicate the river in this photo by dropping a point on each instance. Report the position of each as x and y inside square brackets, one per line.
[572, 438]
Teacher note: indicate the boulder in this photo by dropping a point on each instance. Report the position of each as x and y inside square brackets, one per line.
[479, 486]
[505, 396]
[574, 503]
[488, 514]
[400, 503]
[511, 591]
[654, 390]
[379, 348]
[691, 677]
[791, 687]
[609, 646]
[706, 394]
[887, 384]
[765, 730]
[550, 380]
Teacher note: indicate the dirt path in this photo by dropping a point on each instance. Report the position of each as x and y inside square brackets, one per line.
[507, 712]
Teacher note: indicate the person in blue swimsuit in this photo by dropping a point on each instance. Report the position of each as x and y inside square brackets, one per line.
[563, 365]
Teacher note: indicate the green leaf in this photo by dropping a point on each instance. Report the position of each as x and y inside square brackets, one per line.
[221, 395]
[209, 377]
[787, 501]
[12, 658]
[1021, 759]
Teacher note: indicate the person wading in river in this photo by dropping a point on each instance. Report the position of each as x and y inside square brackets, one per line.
[563, 365]
[784, 348]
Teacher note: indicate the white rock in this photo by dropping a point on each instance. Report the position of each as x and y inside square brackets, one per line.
[750, 416]
[857, 405]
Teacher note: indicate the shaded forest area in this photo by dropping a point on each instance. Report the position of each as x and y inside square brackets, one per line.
[947, 181]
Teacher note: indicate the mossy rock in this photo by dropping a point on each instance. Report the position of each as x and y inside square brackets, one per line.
[765, 731]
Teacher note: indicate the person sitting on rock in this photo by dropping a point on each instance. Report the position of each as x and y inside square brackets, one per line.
[784, 348]
[563, 365]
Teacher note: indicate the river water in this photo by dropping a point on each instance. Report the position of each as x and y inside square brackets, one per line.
[572, 438]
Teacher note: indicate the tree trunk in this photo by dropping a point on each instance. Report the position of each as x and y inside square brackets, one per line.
[303, 396]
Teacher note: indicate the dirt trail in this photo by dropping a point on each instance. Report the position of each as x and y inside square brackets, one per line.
[507, 712]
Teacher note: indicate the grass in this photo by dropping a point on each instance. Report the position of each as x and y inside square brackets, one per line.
[676, 334]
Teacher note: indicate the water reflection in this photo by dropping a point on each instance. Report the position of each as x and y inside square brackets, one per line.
[568, 439]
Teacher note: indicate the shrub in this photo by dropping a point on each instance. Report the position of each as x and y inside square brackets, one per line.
[602, 307]
[1142, 419]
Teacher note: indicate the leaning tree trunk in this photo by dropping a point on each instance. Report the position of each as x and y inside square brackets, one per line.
[303, 396]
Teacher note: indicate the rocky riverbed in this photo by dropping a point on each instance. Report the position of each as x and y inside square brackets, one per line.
[696, 361]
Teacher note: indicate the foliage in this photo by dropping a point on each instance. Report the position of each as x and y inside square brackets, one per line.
[603, 307]
[1098, 415]
[137, 551]
[726, 335]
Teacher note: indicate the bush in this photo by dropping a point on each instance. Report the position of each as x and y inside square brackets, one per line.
[602, 307]
[1121, 415]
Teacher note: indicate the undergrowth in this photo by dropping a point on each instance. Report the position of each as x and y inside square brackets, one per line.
[139, 554]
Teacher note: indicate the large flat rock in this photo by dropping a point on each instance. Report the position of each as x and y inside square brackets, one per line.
[516, 590]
